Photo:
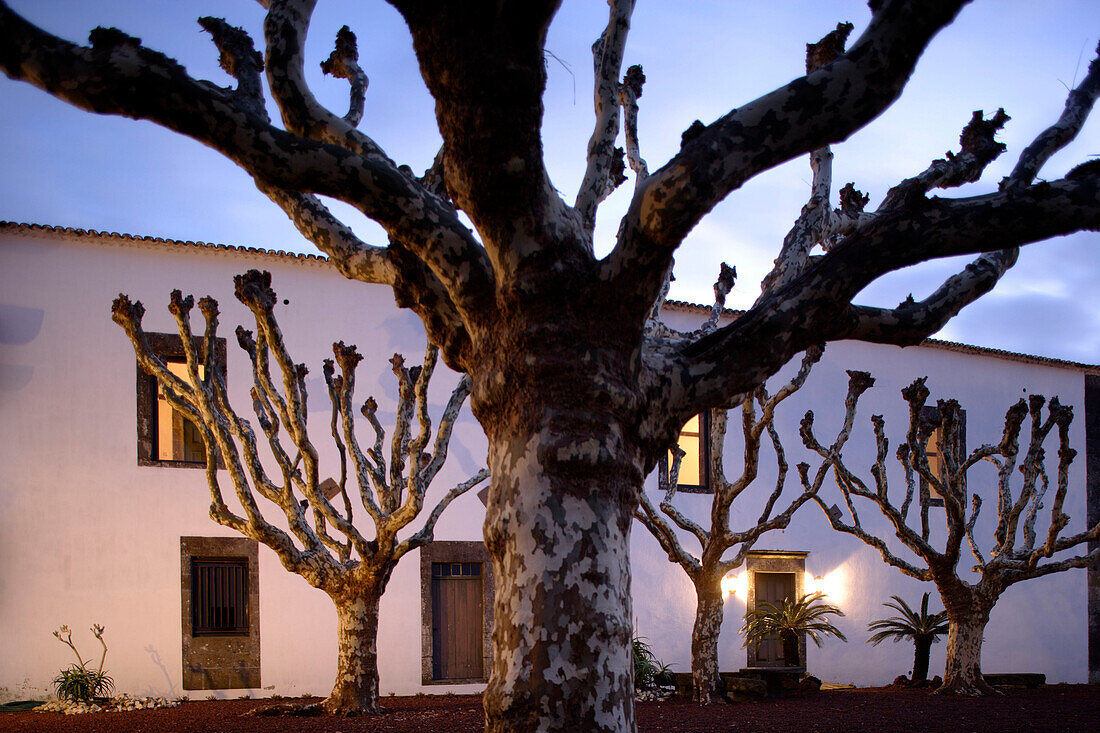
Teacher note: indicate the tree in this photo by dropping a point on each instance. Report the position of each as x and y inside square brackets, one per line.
[351, 568]
[525, 307]
[707, 570]
[1016, 555]
[921, 628]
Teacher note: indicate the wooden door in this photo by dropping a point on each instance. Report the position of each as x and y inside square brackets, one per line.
[457, 621]
[772, 588]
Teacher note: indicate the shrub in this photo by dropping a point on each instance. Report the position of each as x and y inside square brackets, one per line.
[648, 670]
[78, 682]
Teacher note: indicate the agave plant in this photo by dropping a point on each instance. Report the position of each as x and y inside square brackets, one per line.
[78, 682]
[805, 615]
[922, 628]
[648, 670]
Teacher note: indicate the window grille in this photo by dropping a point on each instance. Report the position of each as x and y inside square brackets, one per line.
[219, 596]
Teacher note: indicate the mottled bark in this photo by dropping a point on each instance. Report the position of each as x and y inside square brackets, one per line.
[559, 543]
[355, 691]
[710, 607]
[963, 671]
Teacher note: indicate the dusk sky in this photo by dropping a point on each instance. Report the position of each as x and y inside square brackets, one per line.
[702, 58]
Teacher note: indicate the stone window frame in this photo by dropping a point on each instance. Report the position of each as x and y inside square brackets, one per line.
[169, 347]
[454, 551]
[775, 561]
[704, 459]
[220, 661]
[930, 422]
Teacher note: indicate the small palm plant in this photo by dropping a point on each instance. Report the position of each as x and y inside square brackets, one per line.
[922, 628]
[805, 615]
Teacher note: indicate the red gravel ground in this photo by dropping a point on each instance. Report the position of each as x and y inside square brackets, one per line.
[1052, 708]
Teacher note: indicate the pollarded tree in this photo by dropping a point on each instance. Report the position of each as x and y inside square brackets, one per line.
[1018, 551]
[578, 400]
[323, 543]
[711, 565]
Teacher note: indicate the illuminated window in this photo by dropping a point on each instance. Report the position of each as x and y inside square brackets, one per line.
[176, 438]
[165, 436]
[693, 466]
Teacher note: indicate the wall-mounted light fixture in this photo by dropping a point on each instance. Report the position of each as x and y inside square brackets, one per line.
[737, 585]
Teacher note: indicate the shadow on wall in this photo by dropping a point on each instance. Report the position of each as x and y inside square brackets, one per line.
[18, 327]
[154, 657]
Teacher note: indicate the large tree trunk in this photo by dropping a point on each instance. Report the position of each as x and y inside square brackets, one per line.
[968, 613]
[557, 528]
[704, 642]
[920, 658]
[356, 689]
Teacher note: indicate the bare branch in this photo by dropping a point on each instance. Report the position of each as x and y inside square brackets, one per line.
[285, 28]
[343, 63]
[240, 59]
[604, 171]
[427, 533]
[117, 75]
[630, 91]
[822, 107]
[652, 520]
[1079, 104]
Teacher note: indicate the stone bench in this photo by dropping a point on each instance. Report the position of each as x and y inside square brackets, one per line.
[1016, 679]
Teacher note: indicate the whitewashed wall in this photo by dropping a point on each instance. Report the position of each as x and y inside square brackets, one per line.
[1038, 625]
[87, 535]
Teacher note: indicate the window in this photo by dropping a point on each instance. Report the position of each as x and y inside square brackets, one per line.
[456, 612]
[219, 593]
[165, 436]
[219, 596]
[176, 438]
[694, 441]
[931, 432]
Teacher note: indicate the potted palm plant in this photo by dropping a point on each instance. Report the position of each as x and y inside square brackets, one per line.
[789, 620]
[922, 628]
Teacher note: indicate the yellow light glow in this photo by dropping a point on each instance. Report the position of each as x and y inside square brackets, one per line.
[835, 585]
[736, 585]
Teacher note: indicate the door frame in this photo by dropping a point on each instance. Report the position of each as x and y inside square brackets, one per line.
[775, 561]
[450, 551]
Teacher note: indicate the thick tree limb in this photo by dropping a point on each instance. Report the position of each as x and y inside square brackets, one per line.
[823, 107]
[629, 92]
[483, 63]
[116, 75]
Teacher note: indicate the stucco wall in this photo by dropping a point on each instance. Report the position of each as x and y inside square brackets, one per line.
[1037, 626]
[87, 535]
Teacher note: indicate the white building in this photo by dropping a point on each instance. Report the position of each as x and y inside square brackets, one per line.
[97, 526]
